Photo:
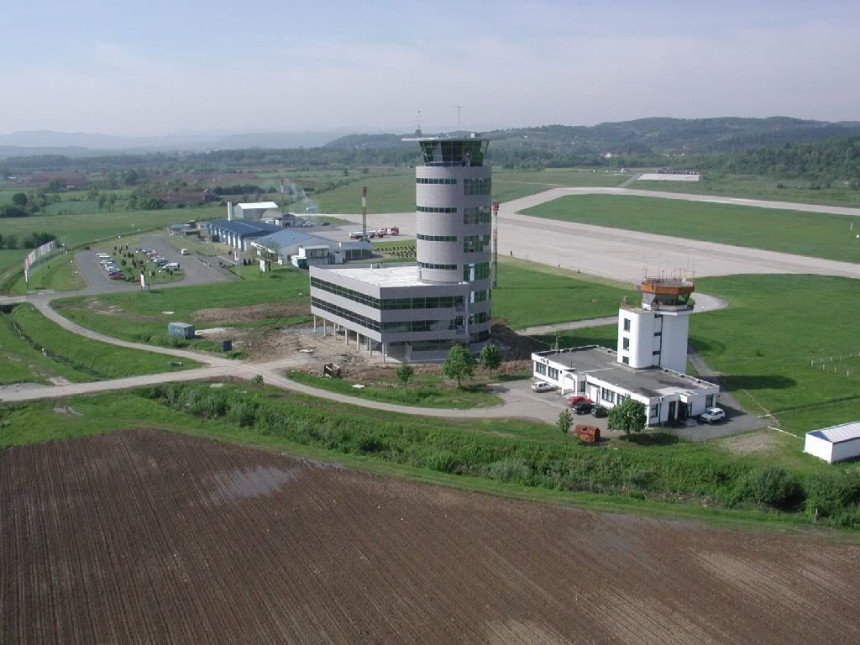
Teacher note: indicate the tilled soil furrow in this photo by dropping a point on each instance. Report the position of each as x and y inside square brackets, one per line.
[149, 537]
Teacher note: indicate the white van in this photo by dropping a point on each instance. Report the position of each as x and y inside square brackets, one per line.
[172, 265]
[183, 251]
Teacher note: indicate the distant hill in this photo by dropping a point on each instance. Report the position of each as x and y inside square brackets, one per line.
[37, 142]
[647, 136]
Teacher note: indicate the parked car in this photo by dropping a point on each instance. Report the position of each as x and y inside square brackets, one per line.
[579, 398]
[583, 407]
[183, 251]
[116, 276]
[542, 386]
[599, 411]
[712, 415]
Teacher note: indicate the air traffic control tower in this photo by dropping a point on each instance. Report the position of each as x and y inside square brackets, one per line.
[417, 312]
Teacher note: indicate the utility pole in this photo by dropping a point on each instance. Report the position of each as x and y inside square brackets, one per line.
[364, 213]
[495, 244]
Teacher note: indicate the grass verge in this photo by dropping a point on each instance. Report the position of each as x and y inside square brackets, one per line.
[281, 298]
[758, 187]
[530, 294]
[84, 359]
[60, 273]
[426, 390]
[774, 345]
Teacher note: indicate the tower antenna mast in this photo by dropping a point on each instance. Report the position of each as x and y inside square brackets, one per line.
[459, 107]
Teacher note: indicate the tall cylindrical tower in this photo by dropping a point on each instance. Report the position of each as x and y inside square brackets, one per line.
[454, 222]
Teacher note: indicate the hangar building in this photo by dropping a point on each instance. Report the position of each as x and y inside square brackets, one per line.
[304, 249]
[836, 443]
[239, 233]
[417, 312]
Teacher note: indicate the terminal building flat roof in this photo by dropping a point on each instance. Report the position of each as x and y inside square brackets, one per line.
[384, 275]
[601, 363]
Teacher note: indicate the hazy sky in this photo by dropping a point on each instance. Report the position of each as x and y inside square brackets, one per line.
[168, 66]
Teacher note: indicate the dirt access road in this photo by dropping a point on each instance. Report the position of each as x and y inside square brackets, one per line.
[206, 542]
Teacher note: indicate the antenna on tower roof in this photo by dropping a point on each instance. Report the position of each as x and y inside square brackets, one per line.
[418, 125]
[459, 107]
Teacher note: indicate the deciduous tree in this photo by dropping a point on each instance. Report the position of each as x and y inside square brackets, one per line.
[564, 421]
[404, 373]
[628, 416]
[459, 364]
[490, 357]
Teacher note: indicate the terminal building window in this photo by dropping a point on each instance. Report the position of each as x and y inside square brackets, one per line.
[480, 337]
[437, 238]
[472, 272]
[453, 152]
[479, 296]
[428, 265]
[626, 324]
[476, 215]
[432, 345]
[480, 186]
[431, 302]
[435, 180]
[540, 368]
[607, 395]
[625, 343]
[552, 373]
[435, 209]
[475, 243]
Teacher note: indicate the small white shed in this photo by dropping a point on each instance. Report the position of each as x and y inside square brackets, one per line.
[836, 443]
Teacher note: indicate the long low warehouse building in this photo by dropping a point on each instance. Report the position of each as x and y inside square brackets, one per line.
[239, 233]
[595, 372]
[836, 443]
[310, 249]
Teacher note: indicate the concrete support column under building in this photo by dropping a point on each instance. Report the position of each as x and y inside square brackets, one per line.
[384, 352]
[315, 322]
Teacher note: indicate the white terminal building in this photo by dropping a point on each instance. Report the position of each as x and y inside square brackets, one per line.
[417, 312]
[649, 365]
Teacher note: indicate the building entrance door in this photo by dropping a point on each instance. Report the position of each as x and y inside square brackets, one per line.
[672, 410]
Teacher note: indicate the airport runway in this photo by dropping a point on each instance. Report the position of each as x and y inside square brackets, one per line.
[626, 256]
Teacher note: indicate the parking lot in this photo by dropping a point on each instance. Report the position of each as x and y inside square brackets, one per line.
[546, 406]
[194, 269]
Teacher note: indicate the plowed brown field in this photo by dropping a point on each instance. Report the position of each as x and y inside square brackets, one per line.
[144, 536]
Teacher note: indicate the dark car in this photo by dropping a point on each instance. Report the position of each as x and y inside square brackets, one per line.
[583, 407]
[599, 411]
[579, 398]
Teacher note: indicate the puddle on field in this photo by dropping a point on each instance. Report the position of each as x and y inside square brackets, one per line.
[247, 483]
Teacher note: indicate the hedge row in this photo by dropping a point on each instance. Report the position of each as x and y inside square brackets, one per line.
[681, 474]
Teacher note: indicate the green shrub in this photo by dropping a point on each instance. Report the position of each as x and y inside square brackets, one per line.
[770, 486]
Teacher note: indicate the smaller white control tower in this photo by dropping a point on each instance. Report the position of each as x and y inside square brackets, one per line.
[655, 334]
